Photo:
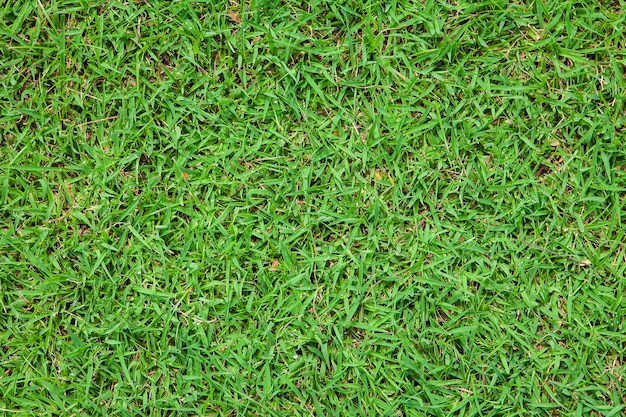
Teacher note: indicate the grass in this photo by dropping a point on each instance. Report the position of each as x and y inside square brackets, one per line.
[390, 208]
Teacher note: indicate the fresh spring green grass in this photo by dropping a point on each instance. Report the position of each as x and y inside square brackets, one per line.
[282, 208]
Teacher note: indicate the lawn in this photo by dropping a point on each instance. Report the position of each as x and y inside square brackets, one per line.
[333, 208]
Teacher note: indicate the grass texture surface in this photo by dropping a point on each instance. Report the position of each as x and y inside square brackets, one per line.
[284, 208]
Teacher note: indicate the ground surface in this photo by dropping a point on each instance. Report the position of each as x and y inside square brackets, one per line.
[390, 208]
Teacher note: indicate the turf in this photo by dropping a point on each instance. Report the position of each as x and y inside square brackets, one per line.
[389, 208]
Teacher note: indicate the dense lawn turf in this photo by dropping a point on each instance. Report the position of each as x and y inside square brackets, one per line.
[274, 208]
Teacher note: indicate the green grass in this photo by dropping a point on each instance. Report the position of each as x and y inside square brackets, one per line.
[386, 208]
